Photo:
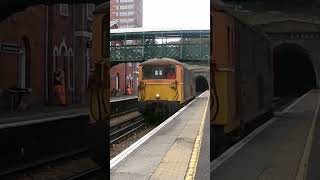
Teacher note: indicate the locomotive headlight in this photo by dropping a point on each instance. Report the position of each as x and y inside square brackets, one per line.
[157, 95]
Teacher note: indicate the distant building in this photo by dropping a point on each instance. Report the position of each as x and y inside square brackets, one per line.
[125, 14]
[128, 13]
[121, 75]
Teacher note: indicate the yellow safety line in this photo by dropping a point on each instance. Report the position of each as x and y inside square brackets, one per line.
[192, 168]
[303, 166]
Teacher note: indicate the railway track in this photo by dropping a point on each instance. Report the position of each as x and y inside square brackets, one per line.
[123, 113]
[126, 123]
[76, 165]
[34, 164]
[71, 165]
[85, 175]
[126, 126]
[65, 162]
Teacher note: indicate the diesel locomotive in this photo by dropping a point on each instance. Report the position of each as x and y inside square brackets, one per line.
[164, 86]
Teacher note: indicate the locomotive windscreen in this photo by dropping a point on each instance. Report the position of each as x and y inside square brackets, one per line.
[159, 72]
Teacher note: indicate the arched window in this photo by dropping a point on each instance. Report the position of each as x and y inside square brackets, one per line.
[63, 62]
[117, 79]
[71, 73]
[25, 64]
[55, 55]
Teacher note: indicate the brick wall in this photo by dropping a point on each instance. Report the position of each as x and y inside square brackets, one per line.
[27, 27]
[61, 38]
[124, 70]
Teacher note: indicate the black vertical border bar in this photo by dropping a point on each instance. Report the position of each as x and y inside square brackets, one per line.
[106, 55]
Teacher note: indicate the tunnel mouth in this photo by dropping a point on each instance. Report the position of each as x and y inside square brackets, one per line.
[293, 71]
[201, 84]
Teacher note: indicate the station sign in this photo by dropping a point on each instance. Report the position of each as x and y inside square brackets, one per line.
[9, 48]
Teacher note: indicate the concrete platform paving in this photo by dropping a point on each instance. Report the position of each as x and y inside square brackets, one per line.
[280, 151]
[166, 154]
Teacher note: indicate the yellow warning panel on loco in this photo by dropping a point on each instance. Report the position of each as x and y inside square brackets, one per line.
[222, 79]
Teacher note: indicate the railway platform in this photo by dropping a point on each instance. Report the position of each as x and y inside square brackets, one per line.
[121, 98]
[42, 114]
[51, 112]
[44, 134]
[177, 149]
[284, 148]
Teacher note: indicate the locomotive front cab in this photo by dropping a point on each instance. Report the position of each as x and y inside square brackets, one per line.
[160, 84]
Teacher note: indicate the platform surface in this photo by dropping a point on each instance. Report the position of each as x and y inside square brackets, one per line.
[281, 150]
[203, 167]
[45, 112]
[167, 153]
[122, 98]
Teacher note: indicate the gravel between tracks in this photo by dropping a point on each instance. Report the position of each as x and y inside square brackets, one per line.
[116, 149]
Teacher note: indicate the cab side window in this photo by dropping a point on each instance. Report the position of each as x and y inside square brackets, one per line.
[171, 72]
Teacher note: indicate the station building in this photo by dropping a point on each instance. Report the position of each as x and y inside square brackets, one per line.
[35, 42]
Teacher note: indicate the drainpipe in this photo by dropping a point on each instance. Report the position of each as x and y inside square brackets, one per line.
[46, 63]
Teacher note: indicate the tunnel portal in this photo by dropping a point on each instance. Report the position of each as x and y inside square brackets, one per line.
[293, 71]
[201, 84]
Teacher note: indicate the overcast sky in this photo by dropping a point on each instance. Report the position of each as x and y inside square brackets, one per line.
[176, 14]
